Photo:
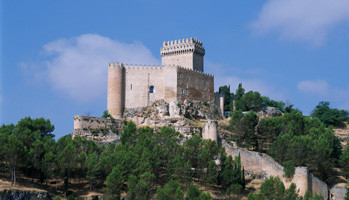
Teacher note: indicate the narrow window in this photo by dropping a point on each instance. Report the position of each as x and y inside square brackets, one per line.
[131, 86]
[151, 89]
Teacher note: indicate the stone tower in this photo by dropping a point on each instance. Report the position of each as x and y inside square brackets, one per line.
[116, 90]
[187, 53]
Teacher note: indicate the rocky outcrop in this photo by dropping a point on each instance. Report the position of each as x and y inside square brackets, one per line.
[101, 130]
[162, 110]
[269, 112]
[24, 195]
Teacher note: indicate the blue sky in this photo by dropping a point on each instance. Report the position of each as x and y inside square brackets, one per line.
[54, 54]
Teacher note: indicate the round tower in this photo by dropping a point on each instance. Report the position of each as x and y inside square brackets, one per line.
[116, 93]
[210, 130]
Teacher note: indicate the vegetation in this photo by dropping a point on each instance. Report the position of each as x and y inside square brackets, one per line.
[330, 116]
[251, 100]
[344, 160]
[289, 169]
[142, 162]
[274, 188]
[292, 139]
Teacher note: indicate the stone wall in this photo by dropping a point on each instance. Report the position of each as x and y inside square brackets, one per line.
[338, 193]
[88, 122]
[194, 85]
[138, 79]
[318, 186]
[210, 130]
[187, 53]
[260, 163]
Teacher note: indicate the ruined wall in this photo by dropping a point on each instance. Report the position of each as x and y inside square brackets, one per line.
[195, 85]
[138, 79]
[100, 130]
[261, 163]
[87, 122]
[317, 186]
[338, 193]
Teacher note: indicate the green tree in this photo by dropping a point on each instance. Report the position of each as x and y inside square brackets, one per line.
[251, 101]
[235, 121]
[289, 169]
[234, 189]
[330, 116]
[277, 104]
[193, 193]
[248, 129]
[212, 173]
[171, 190]
[138, 189]
[273, 188]
[15, 152]
[93, 169]
[240, 91]
[114, 183]
[344, 160]
[225, 91]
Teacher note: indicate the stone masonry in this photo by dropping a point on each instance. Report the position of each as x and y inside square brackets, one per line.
[181, 77]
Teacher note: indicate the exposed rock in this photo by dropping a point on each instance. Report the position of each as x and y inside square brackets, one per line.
[269, 112]
[174, 109]
[162, 110]
[24, 195]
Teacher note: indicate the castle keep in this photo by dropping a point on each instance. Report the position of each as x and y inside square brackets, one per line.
[181, 77]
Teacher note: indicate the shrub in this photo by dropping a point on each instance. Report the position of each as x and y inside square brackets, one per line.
[289, 169]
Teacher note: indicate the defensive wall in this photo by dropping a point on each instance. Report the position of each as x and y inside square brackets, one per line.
[188, 53]
[194, 85]
[129, 85]
[88, 122]
[260, 163]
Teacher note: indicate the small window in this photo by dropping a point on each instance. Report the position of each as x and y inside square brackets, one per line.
[151, 89]
[131, 86]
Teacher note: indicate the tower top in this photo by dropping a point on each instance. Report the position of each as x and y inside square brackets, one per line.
[182, 46]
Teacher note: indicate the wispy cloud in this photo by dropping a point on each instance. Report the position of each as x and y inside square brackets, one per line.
[322, 90]
[77, 67]
[315, 87]
[308, 20]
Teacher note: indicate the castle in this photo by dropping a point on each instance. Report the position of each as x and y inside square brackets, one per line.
[180, 77]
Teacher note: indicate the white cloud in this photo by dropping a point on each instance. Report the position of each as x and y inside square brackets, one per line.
[309, 20]
[224, 76]
[324, 91]
[317, 87]
[78, 66]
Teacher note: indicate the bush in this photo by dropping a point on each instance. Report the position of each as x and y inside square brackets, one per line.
[330, 116]
[234, 189]
[289, 169]
[71, 197]
[57, 198]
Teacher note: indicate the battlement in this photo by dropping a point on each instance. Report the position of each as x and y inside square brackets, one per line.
[192, 70]
[131, 66]
[182, 46]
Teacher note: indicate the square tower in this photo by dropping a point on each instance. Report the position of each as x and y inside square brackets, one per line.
[186, 53]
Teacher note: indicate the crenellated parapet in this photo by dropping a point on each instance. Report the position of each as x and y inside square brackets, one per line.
[197, 71]
[182, 46]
